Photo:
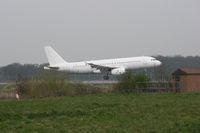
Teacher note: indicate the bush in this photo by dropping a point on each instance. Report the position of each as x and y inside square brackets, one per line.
[53, 84]
[142, 81]
[129, 82]
[126, 84]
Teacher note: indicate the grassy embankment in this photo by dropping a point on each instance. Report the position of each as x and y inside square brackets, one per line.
[103, 113]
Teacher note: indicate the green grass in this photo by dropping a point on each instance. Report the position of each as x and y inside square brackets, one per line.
[151, 113]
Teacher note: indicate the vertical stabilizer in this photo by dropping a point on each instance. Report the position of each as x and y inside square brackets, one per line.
[53, 57]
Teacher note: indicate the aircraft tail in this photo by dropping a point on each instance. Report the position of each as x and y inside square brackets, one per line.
[53, 57]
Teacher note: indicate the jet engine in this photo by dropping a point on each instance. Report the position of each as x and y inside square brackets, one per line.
[96, 71]
[118, 71]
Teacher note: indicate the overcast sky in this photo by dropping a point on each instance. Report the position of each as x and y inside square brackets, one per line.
[97, 29]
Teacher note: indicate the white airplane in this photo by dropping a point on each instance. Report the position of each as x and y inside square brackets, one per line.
[108, 66]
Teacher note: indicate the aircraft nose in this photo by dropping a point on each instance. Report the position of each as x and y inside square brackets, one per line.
[158, 63]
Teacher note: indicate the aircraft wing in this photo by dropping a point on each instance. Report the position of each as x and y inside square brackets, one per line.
[102, 68]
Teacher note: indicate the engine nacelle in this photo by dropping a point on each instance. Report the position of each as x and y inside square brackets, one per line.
[96, 71]
[46, 68]
[118, 71]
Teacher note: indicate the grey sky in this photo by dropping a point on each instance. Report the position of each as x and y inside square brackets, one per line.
[97, 29]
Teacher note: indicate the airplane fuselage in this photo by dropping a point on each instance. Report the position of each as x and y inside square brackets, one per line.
[108, 66]
[125, 63]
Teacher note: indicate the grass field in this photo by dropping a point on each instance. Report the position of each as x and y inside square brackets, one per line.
[179, 113]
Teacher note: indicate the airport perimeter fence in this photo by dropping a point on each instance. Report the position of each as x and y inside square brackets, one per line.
[7, 90]
[154, 90]
[8, 95]
[149, 87]
[158, 87]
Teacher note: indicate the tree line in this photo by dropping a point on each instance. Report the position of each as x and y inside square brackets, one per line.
[16, 71]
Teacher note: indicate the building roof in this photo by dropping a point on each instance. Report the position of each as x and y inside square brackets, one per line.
[187, 71]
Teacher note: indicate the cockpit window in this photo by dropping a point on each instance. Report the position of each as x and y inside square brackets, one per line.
[153, 59]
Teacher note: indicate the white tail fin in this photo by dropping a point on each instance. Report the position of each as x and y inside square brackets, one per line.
[53, 57]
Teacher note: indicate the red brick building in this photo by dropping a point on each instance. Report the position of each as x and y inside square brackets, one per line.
[187, 79]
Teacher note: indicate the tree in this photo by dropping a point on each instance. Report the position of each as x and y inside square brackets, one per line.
[129, 82]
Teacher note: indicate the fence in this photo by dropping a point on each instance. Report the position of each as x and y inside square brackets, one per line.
[153, 87]
[8, 95]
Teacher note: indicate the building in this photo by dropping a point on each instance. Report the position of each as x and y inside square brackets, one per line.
[187, 79]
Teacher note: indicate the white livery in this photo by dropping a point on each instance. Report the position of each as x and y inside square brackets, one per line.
[108, 66]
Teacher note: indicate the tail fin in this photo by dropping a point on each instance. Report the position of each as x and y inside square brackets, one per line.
[53, 57]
